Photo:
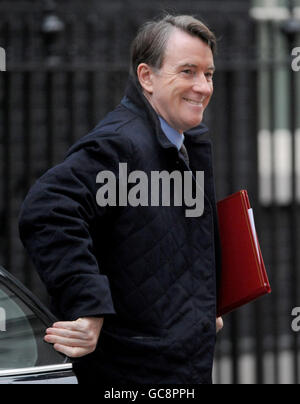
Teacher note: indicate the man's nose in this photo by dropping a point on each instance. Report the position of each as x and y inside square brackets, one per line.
[203, 86]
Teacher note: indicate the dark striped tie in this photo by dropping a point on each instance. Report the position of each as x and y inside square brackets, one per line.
[184, 154]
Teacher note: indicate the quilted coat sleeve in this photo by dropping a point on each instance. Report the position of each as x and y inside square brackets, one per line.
[55, 226]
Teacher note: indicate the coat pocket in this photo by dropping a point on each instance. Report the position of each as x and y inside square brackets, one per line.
[144, 338]
[126, 335]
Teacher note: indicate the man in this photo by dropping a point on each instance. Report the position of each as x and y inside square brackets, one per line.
[135, 285]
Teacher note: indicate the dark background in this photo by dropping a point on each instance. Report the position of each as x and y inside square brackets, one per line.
[67, 66]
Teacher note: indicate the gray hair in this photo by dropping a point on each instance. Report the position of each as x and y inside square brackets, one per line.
[150, 43]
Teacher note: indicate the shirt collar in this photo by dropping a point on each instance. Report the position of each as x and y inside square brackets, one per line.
[174, 137]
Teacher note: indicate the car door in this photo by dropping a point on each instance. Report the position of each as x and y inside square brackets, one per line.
[24, 356]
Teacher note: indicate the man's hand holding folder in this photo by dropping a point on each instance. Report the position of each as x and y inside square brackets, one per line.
[220, 324]
[243, 277]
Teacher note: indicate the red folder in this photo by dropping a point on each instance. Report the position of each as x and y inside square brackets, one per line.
[244, 277]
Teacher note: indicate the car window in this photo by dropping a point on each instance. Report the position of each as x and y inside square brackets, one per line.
[21, 335]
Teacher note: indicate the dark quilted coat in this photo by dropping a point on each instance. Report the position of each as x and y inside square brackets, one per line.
[150, 271]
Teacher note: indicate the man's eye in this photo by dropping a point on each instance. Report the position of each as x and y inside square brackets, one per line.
[209, 76]
[187, 71]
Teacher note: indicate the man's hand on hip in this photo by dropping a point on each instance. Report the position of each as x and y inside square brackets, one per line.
[75, 338]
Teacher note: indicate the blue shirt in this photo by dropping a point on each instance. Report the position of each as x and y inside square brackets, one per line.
[175, 137]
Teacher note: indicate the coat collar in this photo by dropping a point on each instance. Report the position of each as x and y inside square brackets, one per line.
[135, 101]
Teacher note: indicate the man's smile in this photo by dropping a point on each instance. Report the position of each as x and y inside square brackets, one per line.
[194, 102]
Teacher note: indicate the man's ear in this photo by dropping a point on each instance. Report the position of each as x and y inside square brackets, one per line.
[144, 74]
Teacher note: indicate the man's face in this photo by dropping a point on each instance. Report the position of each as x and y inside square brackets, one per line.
[181, 90]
